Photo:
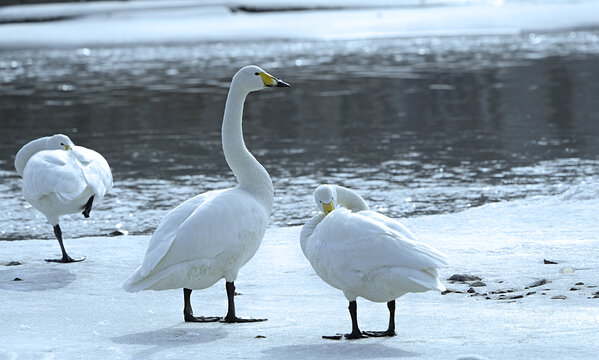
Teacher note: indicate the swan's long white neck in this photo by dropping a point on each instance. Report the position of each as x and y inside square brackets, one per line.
[250, 174]
[27, 151]
[350, 199]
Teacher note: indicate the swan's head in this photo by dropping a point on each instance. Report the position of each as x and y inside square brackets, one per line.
[326, 198]
[253, 78]
[59, 142]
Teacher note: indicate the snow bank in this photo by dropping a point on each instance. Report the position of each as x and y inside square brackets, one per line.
[80, 311]
[184, 21]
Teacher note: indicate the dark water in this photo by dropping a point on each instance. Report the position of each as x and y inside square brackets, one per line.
[417, 126]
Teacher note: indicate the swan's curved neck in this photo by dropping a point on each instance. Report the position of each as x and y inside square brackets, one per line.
[350, 199]
[27, 151]
[250, 174]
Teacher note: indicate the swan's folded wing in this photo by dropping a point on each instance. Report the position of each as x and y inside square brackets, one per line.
[389, 222]
[168, 230]
[95, 169]
[364, 245]
[53, 171]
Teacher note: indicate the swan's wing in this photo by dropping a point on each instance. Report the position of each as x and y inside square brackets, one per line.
[165, 234]
[95, 169]
[389, 222]
[204, 226]
[53, 171]
[359, 244]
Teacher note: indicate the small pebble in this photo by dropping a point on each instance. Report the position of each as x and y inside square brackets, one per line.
[17, 279]
[448, 291]
[471, 291]
[579, 283]
[478, 284]
[549, 262]
[530, 293]
[14, 263]
[260, 337]
[559, 297]
[510, 297]
[574, 288]
[463, 277]
[537, 283]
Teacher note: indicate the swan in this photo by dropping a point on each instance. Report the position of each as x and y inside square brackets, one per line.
[60, 178]
[364, 253]
[212, 235]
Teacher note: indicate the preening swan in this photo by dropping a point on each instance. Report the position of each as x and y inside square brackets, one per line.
[212, 235]
[364, 253]
[60, 178]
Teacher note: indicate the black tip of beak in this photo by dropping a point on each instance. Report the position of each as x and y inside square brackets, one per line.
[281, 83]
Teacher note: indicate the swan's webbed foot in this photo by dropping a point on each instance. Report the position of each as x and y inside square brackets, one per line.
[354, 335]
[235, 319]
[389, 333]
[188, 311]
[66, 259]
[333, 337]
[201, 319]
[88, 207]
[231, 318]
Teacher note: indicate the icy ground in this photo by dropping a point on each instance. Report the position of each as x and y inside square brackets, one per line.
[80, 311]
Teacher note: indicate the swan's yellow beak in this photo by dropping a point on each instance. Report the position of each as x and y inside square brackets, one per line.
[271, 81]
[327, 208]
[67, 147]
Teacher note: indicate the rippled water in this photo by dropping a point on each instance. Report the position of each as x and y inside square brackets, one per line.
[417, 126]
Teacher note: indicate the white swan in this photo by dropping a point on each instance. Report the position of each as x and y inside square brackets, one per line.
[60, 178]
[364, 253]
[211, 236]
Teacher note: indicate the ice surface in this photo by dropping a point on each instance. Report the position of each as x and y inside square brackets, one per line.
[80, 311]
[185, 21]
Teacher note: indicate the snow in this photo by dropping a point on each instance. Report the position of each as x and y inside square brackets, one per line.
[80, 311]
[118, 23]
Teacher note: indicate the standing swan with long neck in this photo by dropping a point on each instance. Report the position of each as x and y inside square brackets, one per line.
[212, 235]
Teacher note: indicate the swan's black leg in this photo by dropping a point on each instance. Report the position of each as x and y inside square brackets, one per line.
[231, 317]
[188, 311]
[65, 257]
[391, 329]
[88, 207]
[355, 330]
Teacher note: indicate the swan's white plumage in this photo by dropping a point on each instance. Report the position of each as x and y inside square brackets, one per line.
[57, 181]
[189, 250]
[369, 255]
[211, 236]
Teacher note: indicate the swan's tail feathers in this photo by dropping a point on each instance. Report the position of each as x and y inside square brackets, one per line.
[136, 282]
[429, 278]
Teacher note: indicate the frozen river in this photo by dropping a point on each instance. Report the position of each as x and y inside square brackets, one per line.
[418, 126]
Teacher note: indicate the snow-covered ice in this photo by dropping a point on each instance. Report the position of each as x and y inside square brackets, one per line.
[110, 23]
[80, 311]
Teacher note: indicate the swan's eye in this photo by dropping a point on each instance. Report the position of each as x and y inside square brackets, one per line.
[257, 74]
[62, 144]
